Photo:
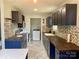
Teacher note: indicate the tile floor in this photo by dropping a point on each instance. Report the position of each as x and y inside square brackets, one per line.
[36, 51]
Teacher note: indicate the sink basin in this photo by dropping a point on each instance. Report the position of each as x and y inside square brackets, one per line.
[49, 34]
[19, 35]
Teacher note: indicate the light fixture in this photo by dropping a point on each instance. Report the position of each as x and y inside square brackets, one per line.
[50, 8]
[35, 1]
[35, 9]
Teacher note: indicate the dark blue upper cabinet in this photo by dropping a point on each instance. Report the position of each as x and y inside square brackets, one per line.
[59, 17]
[15, 16]
[49, 21]
[69, 14]
[66, 15]
[55, 19]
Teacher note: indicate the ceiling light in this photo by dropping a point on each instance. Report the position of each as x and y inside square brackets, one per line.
[50, 8]
[35, 9]
[35, 1]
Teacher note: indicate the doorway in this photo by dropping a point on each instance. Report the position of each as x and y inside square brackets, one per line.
[35, 29]
[0, 32]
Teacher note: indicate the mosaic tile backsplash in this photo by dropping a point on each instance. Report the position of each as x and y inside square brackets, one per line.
[72, 30]
[8, 29]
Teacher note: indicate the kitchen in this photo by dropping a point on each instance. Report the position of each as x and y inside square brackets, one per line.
[59, 27]
[13, 34]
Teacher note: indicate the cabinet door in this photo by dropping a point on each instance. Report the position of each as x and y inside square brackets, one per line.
[56, 19]
[23, 18]
[64, 19]
[49, 22]
[46, 45]
[53, 19]
[20, 18]
[52, 51]
[15, 16]
[71, 14]
[69, 54]
[59, 17]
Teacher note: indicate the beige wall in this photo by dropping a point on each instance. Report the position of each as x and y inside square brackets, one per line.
[8, 7]
[0, 3]
[10, 27]
[7, 23]
[7, 10]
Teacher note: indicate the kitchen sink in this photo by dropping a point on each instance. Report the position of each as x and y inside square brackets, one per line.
[49, 34]
[19, 35]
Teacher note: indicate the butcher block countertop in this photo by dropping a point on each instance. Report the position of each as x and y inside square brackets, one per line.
[61, 44]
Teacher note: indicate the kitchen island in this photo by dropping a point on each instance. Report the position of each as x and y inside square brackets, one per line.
[16, 42]
[14, 54]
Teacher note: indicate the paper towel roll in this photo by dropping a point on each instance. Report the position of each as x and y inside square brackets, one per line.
[68, 37]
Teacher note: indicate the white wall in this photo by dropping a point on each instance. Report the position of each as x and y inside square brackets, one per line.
[7, 14]
[27, 24]
[7, 10]
[8, 7]
[2, 23]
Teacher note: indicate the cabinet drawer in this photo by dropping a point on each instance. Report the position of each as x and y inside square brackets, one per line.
[69, 54]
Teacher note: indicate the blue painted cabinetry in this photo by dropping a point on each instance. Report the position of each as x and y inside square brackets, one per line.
[11, 44]
[46, 45]
[49, 47]
[69, 55]
[49, 21]
[16, 43]
[52, 51]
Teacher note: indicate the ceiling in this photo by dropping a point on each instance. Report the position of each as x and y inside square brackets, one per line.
[43, 6]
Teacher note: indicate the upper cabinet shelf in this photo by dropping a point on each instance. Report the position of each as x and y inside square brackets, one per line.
[15, 16]
[49, 21]
[18, 18]
[66, 15]
[69, 14]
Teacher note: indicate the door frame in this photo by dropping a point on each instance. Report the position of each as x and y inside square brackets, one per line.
[40, 28]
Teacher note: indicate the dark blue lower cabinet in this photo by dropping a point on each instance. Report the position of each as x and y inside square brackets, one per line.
[12, 44]
[69, 55]
[52, 51]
